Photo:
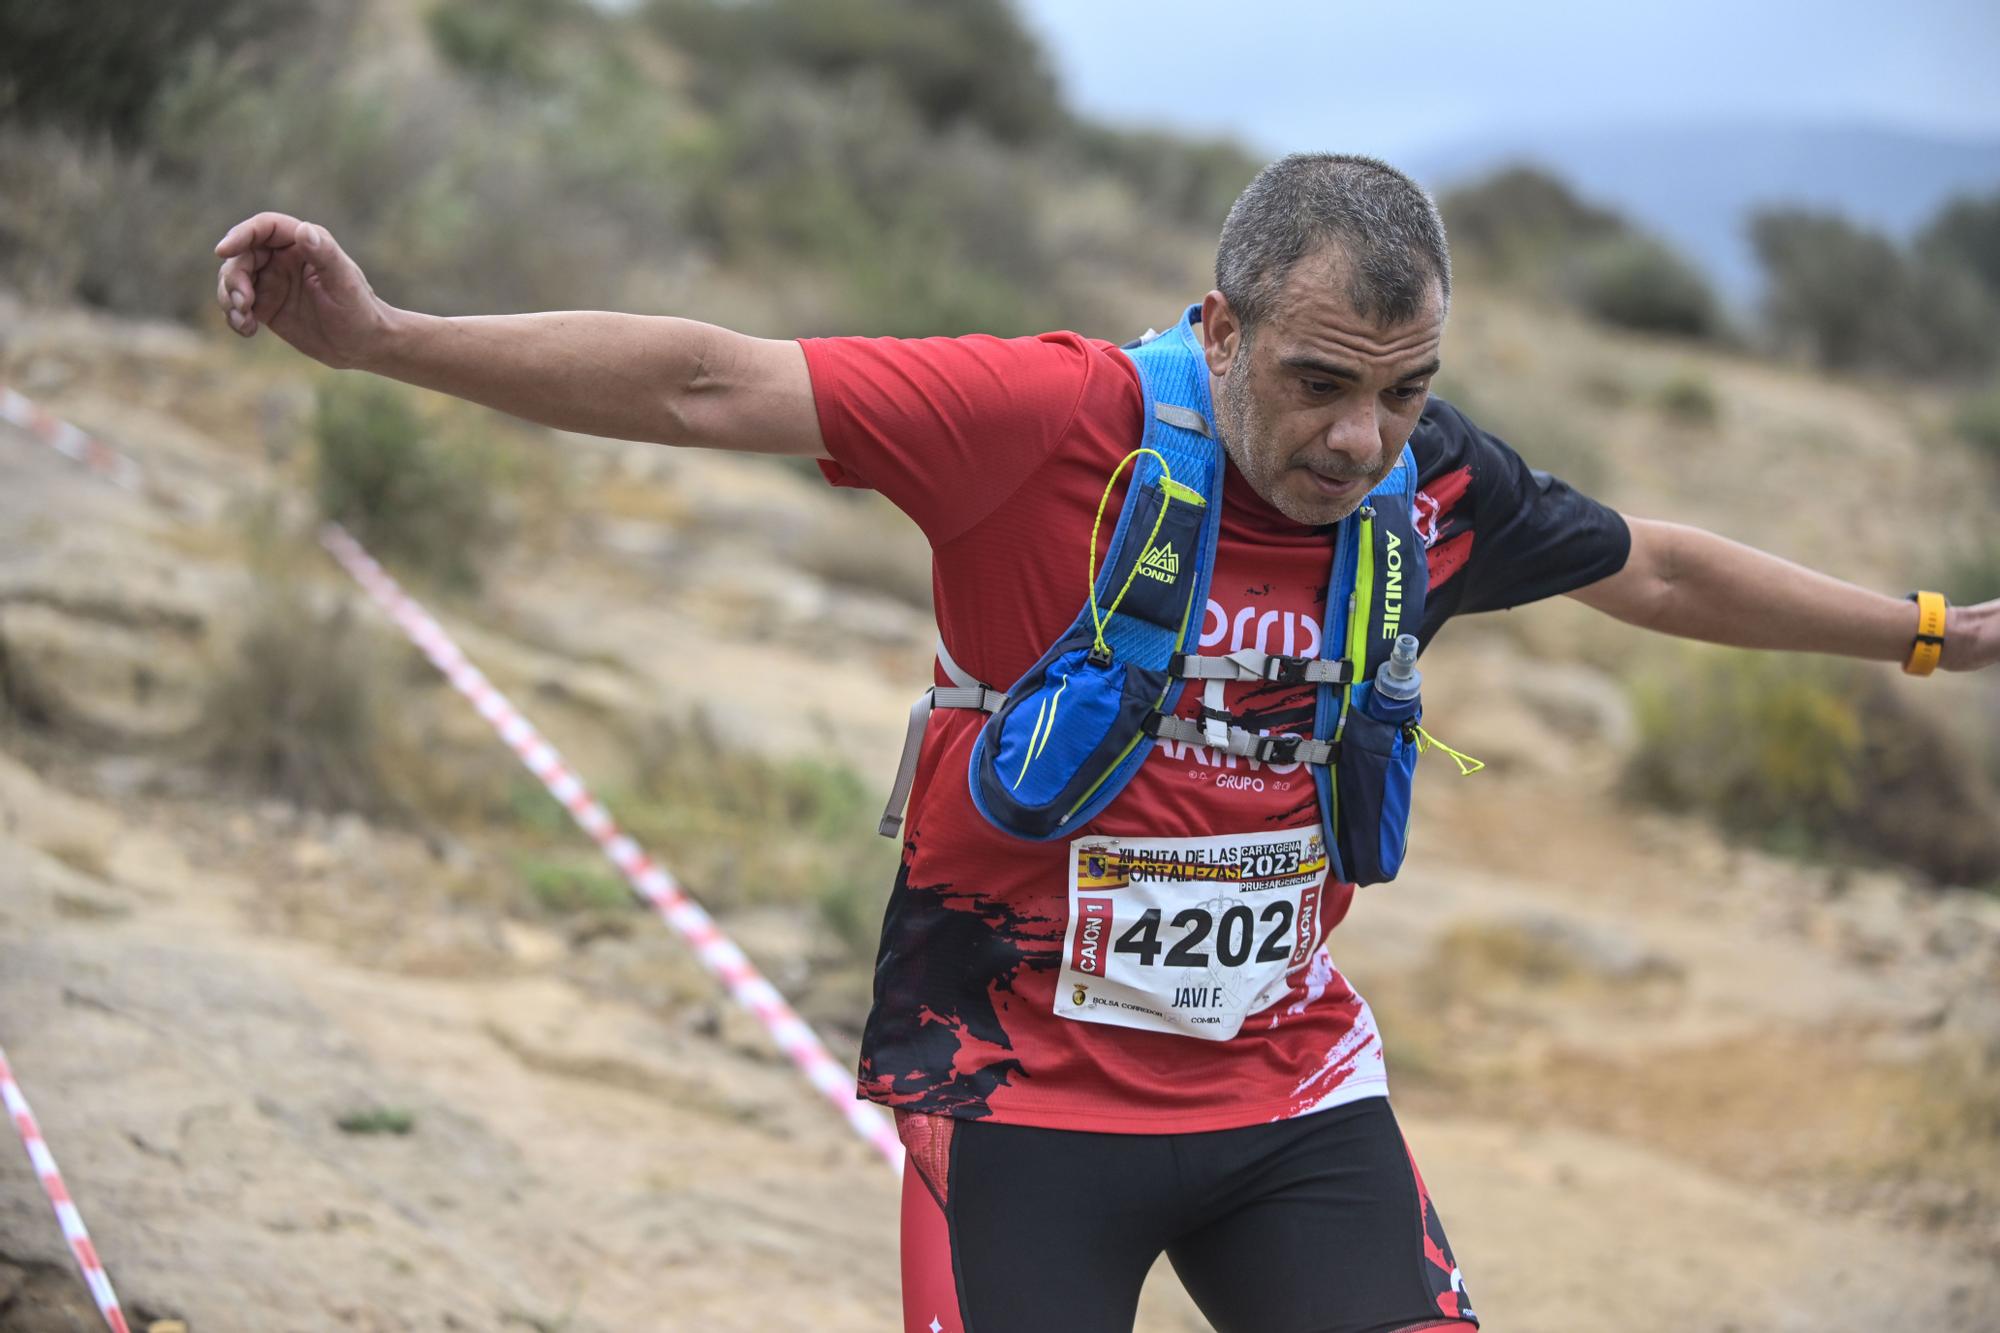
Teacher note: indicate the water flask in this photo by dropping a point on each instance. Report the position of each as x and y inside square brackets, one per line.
[1397, 683]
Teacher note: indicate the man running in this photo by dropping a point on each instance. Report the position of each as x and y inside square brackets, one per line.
[1060, 1144]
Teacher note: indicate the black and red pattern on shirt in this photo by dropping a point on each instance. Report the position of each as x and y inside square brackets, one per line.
[999, 449]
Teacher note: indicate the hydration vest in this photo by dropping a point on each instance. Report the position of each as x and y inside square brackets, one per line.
[1063, 741]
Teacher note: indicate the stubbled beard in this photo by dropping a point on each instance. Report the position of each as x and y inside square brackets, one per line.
[1242, 431]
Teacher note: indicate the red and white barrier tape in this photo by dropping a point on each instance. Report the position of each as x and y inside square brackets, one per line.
[651, 882]
[70, 441]
[717, 952]
[66, 1214]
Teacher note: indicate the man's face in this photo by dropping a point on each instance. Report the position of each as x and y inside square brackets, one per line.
[1315, 402]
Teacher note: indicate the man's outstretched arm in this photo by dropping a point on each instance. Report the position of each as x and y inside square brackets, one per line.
[1684, 581]
[630, 377]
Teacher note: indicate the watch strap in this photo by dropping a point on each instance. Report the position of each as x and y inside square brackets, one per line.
[1928, 647]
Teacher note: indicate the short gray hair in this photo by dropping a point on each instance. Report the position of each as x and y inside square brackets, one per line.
[1385, 228]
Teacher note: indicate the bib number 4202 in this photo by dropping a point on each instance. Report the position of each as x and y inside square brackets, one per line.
[1234, 929]
[1188, 935]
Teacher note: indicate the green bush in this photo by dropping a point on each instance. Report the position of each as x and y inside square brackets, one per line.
[568, 885]
[1761, 742]
[293, 711]
[744, 829]
[1526, 227]
[968, 62]
[376, 1120]
[1519, 220]
[414, 503]
[1191, 180]
[866, 165]
[1816, 756]
[1977, 421]
[1688, 398]
[1635, 282]
[923, 234]
[498, 39]
[1966, 232]
[1851, 299]
[1969, 573]
[739, 828]
[97, 65]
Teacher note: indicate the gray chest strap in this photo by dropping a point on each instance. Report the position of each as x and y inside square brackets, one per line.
[1215, 731]
[963, 692]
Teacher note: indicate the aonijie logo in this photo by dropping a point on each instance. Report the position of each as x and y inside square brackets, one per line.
[1392, 588]
[1162, 563]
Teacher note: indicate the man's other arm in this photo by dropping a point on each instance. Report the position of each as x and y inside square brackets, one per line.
[1691, 583]
[632, 377]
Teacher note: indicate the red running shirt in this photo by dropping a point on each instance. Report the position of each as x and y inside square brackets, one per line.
[999, 450]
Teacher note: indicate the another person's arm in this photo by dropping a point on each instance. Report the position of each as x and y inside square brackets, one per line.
[632, 377]
[1685, 581]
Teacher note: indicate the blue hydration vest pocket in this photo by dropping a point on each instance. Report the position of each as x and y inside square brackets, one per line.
[1060, 734]
[1372, 778]
[1158, 592]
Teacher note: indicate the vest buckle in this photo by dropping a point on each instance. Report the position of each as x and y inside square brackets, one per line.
[1277, 749]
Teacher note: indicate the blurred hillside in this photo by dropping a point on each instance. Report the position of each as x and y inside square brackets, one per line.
[878, 166]
[327, 1008]
[1697, 184]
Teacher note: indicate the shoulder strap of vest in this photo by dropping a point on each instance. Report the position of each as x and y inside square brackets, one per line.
[1178, 427]
[1180, 419]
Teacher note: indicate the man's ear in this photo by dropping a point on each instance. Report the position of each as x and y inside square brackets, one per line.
[1221, 334]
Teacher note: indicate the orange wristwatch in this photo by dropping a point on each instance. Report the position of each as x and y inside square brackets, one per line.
[1928, 646]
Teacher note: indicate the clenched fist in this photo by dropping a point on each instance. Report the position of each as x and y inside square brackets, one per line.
[294, 278]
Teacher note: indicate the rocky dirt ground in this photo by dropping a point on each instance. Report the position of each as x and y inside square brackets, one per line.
[1655, 1082]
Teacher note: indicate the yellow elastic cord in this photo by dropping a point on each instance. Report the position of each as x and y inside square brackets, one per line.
[1166, 498]
[1467, 765]
[1928, 647]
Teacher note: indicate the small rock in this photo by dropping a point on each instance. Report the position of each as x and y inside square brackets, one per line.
[529, 945]
[86, 907]
[311, 856]
[350, 831]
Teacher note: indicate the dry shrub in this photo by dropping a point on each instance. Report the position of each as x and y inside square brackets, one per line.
[559, 155]
[744, 829]
[1636, 282]
[87, 221]
[739, 828]
[1855, 299]
[419, 504]
[294, 712]
[1814, 757]
[1689, 399]
[1977, 421]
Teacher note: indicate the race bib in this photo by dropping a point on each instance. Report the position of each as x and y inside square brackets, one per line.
[1188, 935]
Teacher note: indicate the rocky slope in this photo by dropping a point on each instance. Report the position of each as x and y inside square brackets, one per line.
[1653, 1081]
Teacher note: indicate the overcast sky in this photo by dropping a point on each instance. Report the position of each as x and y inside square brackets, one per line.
[1394, 78]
